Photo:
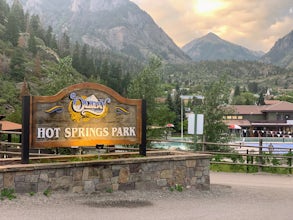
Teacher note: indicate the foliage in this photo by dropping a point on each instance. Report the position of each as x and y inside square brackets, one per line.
[32, 45]
[7, 193]
[12, 30]
[146, 85]
[177, 187]
[215, 95]
[17, 65]
[254, 76]
[65, 76]
[288, 97]
[47, 192]
[245, 98]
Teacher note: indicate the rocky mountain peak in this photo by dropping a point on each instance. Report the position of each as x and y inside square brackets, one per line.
[212, 47]
[281, 53]
[95, 6]
[212, 36]
[115, 25]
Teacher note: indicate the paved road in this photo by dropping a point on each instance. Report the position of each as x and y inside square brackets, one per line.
[232, 196]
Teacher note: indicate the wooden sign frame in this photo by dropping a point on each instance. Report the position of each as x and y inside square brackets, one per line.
[85, 114]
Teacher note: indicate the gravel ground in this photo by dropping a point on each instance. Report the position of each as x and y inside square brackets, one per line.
[232, 196]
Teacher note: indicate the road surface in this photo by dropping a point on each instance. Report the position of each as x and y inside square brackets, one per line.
[232, 196]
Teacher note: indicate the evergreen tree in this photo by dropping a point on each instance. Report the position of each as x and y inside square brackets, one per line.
[84, 60]
[37, 65]
[50, 39]
[49, 36]
[32, 45]
[261, 99]
[76, 57]
[17, 68]
[17, 11]
[104, 71]
[237, 90]
[125, 83]
[36, 27]
[64, 46]
[12, 30]
[169, 102]
[4, 12]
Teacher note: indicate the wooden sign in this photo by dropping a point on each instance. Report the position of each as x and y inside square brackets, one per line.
[86, 114]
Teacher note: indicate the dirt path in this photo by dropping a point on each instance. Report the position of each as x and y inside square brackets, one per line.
[232, 196]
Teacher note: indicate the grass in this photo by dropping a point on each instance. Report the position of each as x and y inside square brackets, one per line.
[7, 193]
[238, 168]
[47, 192]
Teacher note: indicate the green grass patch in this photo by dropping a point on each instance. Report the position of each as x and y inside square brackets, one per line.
[239, 168]
[7, 193]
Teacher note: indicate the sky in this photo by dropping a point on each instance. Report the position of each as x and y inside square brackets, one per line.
[254, 24]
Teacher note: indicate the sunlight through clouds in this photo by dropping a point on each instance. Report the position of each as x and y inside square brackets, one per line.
[255, 24]
[207, 7]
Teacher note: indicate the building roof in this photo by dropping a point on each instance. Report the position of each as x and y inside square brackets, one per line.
[10, 126]
[247, 109]
[280, 106]
[271, 101]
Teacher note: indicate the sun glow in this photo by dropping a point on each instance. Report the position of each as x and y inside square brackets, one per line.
[208, 6]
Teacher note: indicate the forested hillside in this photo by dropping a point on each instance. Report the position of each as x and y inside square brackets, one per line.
[30, 53]
[243, 73]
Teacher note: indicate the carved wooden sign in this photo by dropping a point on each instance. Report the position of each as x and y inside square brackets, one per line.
[85, 114]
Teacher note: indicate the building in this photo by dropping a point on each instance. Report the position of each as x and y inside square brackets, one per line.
[275, 119]
[7, 126]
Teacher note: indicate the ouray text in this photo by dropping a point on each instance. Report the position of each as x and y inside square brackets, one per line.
[55, 133]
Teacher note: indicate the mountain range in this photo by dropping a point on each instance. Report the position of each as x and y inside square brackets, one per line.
[281, 54]
[211, 47]
[117, 25]
[121, 26]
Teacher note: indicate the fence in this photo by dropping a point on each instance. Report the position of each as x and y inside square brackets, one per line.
[255, 157]
[252, 158]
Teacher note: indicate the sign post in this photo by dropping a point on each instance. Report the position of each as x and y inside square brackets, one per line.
[142, 147]
[26, 112]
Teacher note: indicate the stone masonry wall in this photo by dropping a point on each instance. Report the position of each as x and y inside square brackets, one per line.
[128, 174]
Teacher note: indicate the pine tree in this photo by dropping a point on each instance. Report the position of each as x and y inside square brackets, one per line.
[4, 12]
[37, 65]
[12, 30]
[76, 57]
[236, 91]
[114, 77]
[64, 46]
[84, 60]
[36, 28]
[17, 69]
[17, 11]
[32, 45]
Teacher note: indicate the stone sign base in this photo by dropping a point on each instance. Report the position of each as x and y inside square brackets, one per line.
[158, 170]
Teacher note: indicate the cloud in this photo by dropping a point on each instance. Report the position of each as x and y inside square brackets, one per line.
[252, 24]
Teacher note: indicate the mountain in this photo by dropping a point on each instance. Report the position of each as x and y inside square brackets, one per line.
[281, 54]
[211, 47]
[117, 25]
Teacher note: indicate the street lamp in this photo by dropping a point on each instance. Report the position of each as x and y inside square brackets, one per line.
[183, 97]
